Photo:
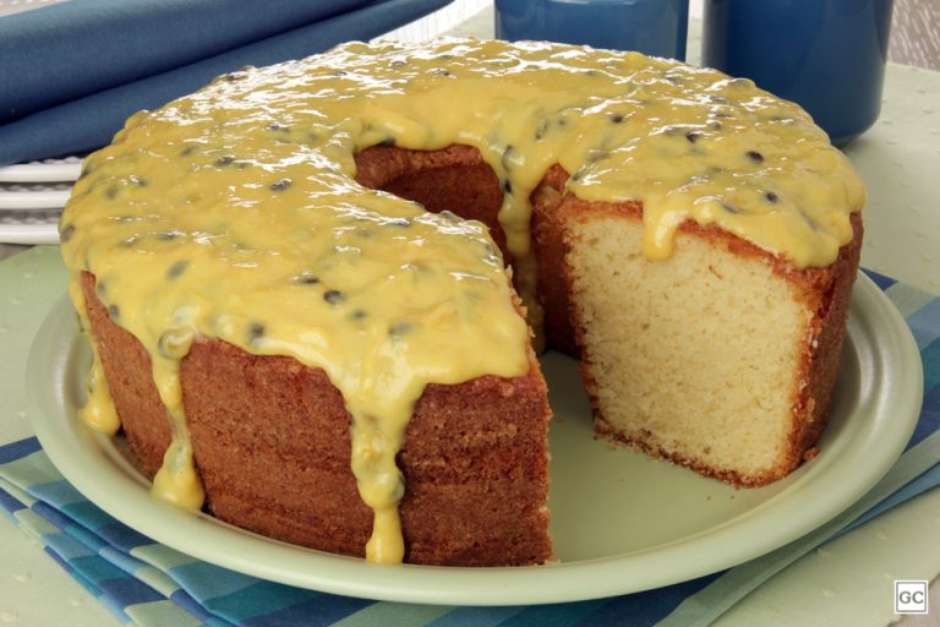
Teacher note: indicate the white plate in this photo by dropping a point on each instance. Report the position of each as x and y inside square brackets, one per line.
[49, 171]
[621, 522]
[33, 227]
[29, 213]
[31, 198]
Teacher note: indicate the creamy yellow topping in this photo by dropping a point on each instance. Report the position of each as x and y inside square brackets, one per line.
[233, 213]
[98, 412]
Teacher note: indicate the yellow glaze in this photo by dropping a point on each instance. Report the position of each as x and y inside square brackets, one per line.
[233, 214]
[98, 412]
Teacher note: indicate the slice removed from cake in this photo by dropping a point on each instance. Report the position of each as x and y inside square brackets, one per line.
[720, 358]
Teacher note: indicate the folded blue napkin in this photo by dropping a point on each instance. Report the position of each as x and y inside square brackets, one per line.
[69, 80]
[149, 584]
[69, 50]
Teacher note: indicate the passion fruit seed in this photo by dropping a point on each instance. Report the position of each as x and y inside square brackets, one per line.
[177, 269]
[333, 297]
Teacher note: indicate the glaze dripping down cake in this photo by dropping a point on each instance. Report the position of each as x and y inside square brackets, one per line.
[297, 285]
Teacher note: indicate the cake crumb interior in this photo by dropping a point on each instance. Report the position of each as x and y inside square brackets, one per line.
[692, 358]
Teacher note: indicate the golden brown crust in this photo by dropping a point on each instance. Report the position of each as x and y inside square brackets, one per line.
[127, 369]
[453, 179]
[830, 291]
[551, 251]
[271, 442]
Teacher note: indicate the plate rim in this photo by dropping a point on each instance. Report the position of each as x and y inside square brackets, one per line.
[895, 393]
[29, 233]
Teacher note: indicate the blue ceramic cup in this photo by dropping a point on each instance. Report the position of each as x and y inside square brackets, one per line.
[827, 55]
[656, 27]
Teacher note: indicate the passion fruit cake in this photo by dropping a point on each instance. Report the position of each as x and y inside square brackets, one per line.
[300, 286]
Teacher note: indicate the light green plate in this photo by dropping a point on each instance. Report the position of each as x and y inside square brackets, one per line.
[621, 522]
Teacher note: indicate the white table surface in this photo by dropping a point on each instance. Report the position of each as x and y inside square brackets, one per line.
[849, 581]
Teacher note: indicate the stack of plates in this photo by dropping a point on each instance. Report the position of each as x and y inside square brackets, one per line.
[31, 198]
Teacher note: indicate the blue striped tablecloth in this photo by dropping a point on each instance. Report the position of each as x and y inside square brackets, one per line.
[149, 584]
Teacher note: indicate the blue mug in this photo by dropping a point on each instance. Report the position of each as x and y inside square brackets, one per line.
[827, 55]
[655, 27]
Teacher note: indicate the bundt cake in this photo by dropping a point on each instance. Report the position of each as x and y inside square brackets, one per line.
[300, 285]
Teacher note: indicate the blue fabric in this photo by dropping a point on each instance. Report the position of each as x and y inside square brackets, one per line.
[926, 481]
[52, 515]
[882, 281]
[17, 450]
[646, 608]
[57, 493]
[90, 119]
[930, 413]
[10, 504]
[52, 55]
[191, 605]
[145, 583]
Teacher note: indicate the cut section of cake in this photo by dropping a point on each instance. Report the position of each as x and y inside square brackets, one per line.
[721, 358]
